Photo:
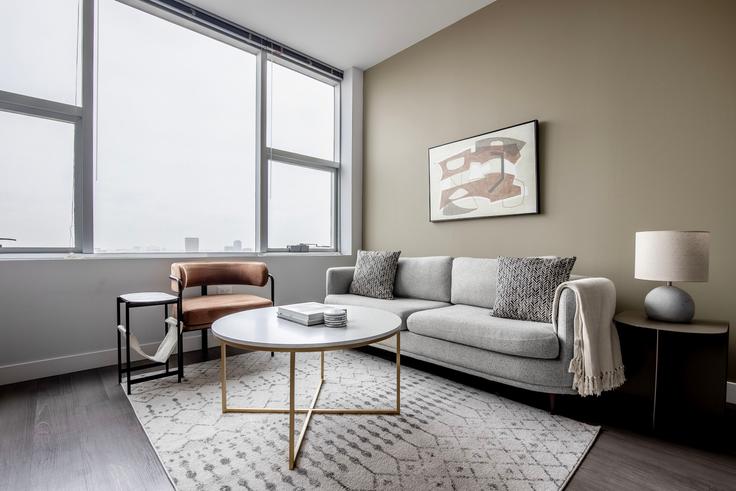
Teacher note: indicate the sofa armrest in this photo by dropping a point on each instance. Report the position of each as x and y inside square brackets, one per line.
[565, 317]
[339, 279]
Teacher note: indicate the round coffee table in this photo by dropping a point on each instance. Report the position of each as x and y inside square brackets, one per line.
[262, 330]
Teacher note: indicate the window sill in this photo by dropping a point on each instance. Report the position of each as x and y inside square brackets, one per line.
[44, 256]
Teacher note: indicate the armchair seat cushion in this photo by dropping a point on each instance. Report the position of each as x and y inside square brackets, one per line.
[403, 307]
[200, 312]
[473, 326]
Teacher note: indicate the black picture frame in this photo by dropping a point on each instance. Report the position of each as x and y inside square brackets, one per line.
[533, 209]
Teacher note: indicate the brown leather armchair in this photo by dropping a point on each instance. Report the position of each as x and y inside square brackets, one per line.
[199, 312]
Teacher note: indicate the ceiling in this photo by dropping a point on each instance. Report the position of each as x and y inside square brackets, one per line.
[344, 33]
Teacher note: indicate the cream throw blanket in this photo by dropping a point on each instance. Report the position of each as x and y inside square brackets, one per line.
[596, 363]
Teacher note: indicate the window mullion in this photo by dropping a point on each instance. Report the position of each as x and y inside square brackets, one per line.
[262, 177]
[85, 161]
[300, 159]
[33, 106]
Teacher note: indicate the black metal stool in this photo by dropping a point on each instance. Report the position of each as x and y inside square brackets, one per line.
[146, 299]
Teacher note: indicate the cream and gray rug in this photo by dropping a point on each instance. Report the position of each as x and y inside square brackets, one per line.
[448, 436]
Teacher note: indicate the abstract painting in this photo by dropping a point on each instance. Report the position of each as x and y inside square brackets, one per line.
[489, 175]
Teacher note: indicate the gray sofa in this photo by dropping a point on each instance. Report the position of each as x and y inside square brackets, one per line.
[445, 303]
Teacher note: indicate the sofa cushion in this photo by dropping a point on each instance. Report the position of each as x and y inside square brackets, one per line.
[428, 278]
[526, 286]
[474, 281]
[374, 275]
[473, 326]
[403, 307]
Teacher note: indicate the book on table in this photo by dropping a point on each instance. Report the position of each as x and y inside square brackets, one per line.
[308, 313]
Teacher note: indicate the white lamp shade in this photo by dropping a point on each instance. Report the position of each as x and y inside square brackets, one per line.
[669, 255]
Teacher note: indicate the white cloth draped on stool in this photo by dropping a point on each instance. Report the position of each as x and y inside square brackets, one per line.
[167, 346]
[596, 363]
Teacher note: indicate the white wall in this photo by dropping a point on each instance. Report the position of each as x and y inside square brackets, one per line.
[58, 316]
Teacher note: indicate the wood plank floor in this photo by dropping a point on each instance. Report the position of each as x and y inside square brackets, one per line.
[79, 432]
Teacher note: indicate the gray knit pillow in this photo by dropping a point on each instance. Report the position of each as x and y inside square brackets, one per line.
[526, 286]
[374, 274]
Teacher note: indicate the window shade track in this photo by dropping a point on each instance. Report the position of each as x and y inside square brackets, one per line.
[204, 18]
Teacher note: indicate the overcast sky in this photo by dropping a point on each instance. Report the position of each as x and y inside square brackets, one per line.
[175, 135]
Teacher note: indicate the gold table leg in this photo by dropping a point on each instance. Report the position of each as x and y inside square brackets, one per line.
[292, 410]
[398, 373]
[292, 359]
[223, 379]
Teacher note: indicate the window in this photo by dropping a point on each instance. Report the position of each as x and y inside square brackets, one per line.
[301, 206]
[40, 121]
[131, 127]
[41, 49]
[302, 172]
[37, 183]
[176, 138]
[301, 113]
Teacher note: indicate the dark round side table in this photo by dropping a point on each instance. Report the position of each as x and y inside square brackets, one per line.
[146, 299]
[690, 371]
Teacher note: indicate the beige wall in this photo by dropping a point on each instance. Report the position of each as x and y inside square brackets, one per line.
[637, 106]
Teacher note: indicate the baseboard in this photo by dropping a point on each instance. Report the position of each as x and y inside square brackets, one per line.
[731, 392]
[48, 367]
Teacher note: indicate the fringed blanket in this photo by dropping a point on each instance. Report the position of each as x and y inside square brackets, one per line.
[596, 364]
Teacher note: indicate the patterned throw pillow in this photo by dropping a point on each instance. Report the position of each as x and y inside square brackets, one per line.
[526, 286]
[374, 275]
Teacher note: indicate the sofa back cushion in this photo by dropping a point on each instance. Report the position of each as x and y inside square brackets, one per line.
[375, 274]
[526, 286]
[428, 278]
[474, 281]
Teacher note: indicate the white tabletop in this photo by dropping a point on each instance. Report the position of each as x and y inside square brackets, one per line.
[262, 329]
[148, 297]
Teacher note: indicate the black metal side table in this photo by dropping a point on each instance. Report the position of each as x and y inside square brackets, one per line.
[146, 299]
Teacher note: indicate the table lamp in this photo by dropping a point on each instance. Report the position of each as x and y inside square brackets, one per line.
[669, 255]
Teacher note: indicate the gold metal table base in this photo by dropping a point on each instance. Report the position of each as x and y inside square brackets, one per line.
[312, 409]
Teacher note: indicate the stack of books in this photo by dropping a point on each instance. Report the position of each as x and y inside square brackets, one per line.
[307, 314]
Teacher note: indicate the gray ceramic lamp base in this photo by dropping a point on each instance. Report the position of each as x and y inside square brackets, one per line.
[669, 304]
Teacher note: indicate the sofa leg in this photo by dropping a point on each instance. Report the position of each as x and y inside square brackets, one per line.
[552, 401]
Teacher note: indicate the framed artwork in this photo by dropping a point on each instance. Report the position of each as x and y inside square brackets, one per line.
[489, 175]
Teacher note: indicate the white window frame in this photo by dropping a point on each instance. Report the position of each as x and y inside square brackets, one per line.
[298, 159]
[83, 118]
[79, 116]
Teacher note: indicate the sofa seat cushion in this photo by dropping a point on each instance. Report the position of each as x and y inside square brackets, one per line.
[474, 326]
[206, 309]
[403, 307]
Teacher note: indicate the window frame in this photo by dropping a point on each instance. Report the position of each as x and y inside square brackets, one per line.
[79, 116]
[83, 118]
[298, 159]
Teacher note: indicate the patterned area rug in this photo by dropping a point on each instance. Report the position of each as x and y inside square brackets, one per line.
[448, 436]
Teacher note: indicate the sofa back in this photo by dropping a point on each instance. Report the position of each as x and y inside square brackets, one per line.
[474, 281]
[462, 280]
[428, 278]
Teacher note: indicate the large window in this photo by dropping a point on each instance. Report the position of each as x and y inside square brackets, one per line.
[194, 140]
[302, 148]
[40, 121]
[176, 137]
